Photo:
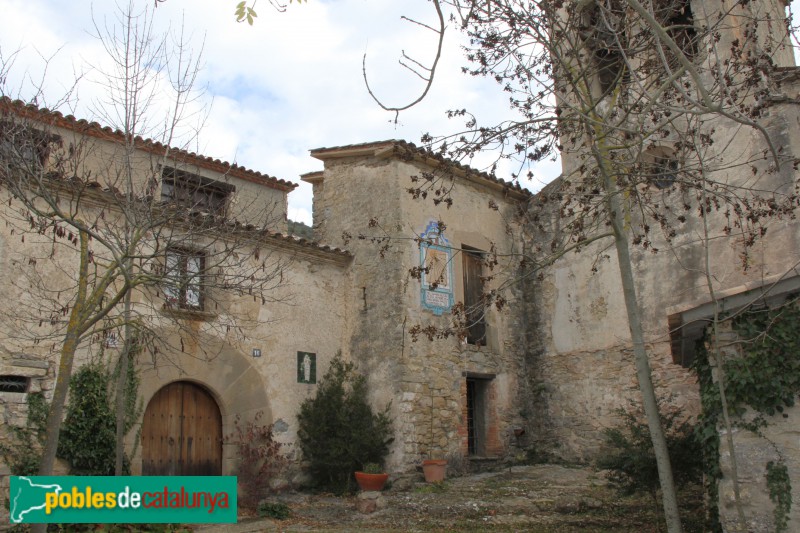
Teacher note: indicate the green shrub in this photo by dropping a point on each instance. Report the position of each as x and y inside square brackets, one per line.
[632, 461]
[276, 510]
[88, 437]
[338, 431]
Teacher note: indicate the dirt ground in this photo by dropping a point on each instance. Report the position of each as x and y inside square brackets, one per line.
[540, 498]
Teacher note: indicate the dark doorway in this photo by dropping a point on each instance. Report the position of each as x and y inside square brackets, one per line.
[476, 416]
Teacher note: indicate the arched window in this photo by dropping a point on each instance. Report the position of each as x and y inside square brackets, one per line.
[676, 17]
[661, 167]
[603, 30]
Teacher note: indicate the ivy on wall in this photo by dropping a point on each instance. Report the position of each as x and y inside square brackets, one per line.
[767, 376]
[22, 453]
[780, 492]
[706, 432]
[764, 377]
[87, 440]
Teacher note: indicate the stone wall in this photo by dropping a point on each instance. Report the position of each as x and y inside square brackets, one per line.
[777, 440]
[364, 196]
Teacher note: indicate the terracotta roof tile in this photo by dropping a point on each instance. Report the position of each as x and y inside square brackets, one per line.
[94, 129]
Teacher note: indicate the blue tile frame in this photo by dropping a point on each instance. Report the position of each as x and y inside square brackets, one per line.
[439, 300]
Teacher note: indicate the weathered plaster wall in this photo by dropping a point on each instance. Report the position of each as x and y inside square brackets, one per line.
[242, 384]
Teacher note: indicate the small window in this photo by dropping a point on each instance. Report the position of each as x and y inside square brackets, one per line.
[17, 384]
[23, 148]
[661, 168]
[610, 69]
[183, 280]
[473, 297]
[199, 194]
[677, 19]
[602, 29]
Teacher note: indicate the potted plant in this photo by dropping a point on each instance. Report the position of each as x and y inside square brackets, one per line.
[434, 470]
[371, 478]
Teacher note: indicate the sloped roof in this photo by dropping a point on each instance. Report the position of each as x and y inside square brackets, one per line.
[302, 246]
[310, 247]
[94, 129]
[400, 148]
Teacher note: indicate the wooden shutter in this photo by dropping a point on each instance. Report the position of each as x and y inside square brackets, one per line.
[473, 298]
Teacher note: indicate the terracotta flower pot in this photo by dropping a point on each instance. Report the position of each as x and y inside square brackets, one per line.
[434, 470]
[368, 482]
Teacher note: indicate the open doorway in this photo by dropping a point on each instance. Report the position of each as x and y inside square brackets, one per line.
[476, 411]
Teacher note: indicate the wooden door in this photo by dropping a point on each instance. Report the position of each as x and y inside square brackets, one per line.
[182, 433]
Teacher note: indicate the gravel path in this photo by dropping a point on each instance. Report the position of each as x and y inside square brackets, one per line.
[540, 498]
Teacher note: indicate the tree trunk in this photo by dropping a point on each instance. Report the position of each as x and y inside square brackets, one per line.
[66, 359]
[669, 495]
[122, 391]
[56, 412]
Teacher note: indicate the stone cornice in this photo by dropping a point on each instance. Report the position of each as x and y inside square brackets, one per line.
[408, 151]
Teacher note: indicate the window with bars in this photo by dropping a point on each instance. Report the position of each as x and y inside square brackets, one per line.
[17, 384]
[183, 286]
[194, 192]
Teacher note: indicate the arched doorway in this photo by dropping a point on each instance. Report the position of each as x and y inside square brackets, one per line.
[182, 433]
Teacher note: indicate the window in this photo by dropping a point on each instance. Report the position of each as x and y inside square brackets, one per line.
[610, 68]
[184, 273]
[676, 16]
[473, 296]
[195, 192]
[23, 148]
[602, 29]
[17, 384]
[661, 168]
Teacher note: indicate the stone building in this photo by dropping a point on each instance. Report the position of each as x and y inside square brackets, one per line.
[220, 352]
[420, 270]
[709, 202]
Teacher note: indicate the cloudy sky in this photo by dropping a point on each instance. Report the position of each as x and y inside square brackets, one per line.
[273, 91]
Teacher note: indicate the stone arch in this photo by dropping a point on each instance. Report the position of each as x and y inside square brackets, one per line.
[222, 370]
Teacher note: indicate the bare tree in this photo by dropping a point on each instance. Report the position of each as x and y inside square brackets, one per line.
[121, 233]
[644, 102]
